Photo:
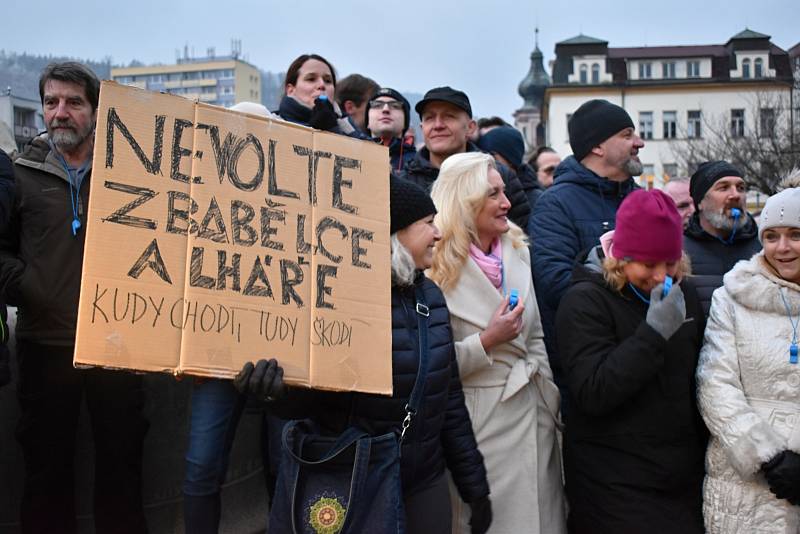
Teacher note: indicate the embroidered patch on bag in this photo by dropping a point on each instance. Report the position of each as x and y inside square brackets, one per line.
[326, 516]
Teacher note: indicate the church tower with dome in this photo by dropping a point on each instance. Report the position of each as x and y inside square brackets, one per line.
[528, 118]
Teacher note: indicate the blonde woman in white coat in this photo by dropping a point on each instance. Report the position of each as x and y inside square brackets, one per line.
[480, 261]
[749, 384]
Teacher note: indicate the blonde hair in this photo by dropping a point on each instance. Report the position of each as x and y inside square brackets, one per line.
[459, 193]
[615, 276]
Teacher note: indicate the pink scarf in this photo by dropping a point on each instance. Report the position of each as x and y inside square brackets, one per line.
[491, 264]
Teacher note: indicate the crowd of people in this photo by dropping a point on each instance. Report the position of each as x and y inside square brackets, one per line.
[595, 357]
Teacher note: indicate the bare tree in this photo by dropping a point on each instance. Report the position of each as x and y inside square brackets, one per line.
[764, 149]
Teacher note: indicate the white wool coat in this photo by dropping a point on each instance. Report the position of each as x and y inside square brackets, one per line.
[513, 403]
[749, 396]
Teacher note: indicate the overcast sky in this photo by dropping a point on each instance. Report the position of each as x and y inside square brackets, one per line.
[481, 47]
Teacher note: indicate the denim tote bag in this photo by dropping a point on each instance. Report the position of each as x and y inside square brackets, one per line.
[349, 483]
[330, 485]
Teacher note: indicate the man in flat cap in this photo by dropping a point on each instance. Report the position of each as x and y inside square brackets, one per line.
[446, 118]
[581, 205]
[720, 232]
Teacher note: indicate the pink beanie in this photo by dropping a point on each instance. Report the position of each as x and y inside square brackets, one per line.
[648, 228]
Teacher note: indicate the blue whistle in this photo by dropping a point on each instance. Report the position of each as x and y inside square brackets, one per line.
[736, 213]
[667, 286]
[75, 225]
[513, 299]
[793, 353]
[323, 97]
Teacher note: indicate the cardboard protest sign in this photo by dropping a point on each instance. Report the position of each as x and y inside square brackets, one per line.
[215, 238]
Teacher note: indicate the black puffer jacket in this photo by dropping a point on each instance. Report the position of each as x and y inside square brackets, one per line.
[634, 444]
[530, 184]
[420, 171]
[712, 258]
[441, 434]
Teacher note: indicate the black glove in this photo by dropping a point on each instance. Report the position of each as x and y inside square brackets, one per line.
[264, 380]
[481, 515]
[323, 116]
[783, 476]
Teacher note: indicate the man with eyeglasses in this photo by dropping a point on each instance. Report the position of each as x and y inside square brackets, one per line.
[544, 162]
[387, 120]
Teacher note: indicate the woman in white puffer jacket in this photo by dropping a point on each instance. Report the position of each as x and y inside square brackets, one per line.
[749, 384]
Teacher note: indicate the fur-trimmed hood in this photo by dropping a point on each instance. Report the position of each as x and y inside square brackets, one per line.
[753, 284]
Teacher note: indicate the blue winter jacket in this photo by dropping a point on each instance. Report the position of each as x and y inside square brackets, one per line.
[569, 218]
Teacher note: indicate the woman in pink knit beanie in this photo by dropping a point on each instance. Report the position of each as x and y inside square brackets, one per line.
[629, 332]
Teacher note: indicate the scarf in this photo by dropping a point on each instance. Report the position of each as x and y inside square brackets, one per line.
[290, 109]
[491, 264]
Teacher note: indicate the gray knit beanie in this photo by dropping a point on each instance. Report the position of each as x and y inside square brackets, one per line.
[782, 209]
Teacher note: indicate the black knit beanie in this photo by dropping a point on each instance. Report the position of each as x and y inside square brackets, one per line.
[594, 122]
[704, 177]
[408, 203]
[391, 93]
[506, 141]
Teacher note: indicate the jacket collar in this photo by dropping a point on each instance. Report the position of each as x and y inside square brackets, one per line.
[572, 171]
[695, 230]
[753, 284]
[473, 286]
[38, 155]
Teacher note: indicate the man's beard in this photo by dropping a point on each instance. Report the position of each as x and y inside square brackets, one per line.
[721, 221]
[66, 135]
[633, 167]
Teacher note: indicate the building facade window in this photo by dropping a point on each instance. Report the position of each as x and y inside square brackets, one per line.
[595, 73]
[737, 123]
[693, 124]
[766, 123]
[668, 69]
[670, 124]
[646, 124]
[584, 77]
[692, 69]
[645, 71]
[758, 68]
[745, 68]
[670, 171]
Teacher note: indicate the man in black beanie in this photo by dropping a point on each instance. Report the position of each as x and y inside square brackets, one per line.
[720, 232]
[387, 118]
[581, 205]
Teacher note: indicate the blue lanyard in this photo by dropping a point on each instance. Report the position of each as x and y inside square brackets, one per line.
[735, 212]
[74, 186]
[636, 291]
[793, 347]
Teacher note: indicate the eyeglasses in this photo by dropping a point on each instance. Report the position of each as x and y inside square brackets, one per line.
[379, 104]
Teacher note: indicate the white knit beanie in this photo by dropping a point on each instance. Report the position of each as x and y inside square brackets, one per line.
[782, 209]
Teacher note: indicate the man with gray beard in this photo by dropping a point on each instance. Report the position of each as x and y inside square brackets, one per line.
[720, 232]
[41, 256]
[580, 206]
